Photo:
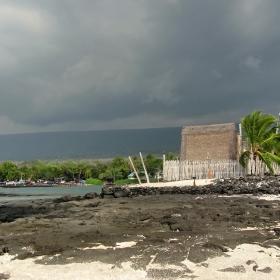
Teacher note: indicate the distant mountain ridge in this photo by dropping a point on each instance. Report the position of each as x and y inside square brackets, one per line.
[90, 144]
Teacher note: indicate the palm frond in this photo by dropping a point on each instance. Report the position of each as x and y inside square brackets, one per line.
[244, 157]
[265, 124]
[275, 158]
[266, 158]
[270, 143]
[262, 140]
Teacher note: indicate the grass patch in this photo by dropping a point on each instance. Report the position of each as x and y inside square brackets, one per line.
[92, 181]
[127, 181]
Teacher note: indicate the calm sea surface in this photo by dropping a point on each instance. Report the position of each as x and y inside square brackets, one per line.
[26, 194]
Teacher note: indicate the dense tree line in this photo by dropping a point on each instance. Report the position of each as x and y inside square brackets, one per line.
[115, 169]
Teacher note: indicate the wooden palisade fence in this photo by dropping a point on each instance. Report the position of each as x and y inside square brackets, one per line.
[260, 168]
[175, 170]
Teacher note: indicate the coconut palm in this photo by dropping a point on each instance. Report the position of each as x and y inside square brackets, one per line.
[263, 143]
[88, 172]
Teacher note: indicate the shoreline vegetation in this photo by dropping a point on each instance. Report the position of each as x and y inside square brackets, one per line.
[71, 172]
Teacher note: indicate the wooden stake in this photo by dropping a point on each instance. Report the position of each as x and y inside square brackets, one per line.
[147, 177]
[131, 162]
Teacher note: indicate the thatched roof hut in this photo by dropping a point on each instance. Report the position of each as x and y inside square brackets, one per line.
[216, 141]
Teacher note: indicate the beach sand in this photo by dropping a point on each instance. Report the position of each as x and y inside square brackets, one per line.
[246, 261]
[197, 182]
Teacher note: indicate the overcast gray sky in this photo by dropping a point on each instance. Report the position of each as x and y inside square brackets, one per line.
[114, 64]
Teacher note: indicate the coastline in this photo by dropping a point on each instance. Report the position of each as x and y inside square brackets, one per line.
[153, 237]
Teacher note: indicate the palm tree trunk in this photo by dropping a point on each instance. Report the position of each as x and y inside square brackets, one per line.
[255, 167]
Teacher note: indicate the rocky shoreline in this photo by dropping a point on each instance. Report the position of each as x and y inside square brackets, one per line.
[164, 232]
[226, 186]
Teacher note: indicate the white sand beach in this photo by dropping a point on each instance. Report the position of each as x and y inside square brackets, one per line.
[197, 182]
[245, 262]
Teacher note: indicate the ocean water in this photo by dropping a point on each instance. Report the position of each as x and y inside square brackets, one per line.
[27, 194]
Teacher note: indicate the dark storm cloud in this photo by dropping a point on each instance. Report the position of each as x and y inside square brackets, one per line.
[69, 65]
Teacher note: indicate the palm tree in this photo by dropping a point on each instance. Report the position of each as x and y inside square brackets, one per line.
[263, 143]
[88, 172]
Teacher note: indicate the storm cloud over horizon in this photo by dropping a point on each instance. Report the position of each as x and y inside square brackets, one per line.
[106, 64]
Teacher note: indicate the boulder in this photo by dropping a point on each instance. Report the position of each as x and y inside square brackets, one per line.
[91, 195]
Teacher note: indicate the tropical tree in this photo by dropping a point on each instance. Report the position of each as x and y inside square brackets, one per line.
[118, 169]
[58, 170]
[170, 156]
[88, 172]
[70, 169]
[81, 166]
[137, 163]
[24, 172]
[49, 170]
[37, 171]
[98, 168]
[263, 142]
[153, 164]
[9, 171]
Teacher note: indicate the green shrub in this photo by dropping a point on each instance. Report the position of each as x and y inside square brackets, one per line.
[92, 181]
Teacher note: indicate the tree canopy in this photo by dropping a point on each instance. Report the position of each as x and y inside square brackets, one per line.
[115, 169]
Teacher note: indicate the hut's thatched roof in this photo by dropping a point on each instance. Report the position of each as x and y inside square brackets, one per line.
[206, 129]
